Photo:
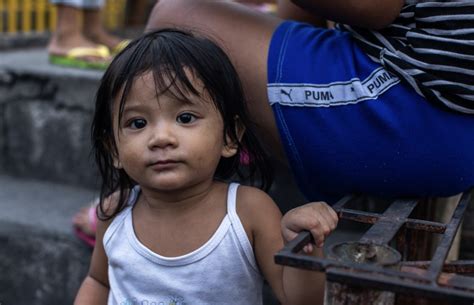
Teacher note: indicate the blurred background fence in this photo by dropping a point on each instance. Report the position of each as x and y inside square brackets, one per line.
[39, 16]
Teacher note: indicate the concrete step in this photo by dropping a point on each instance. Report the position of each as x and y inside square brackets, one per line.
[45, 115]
[41, 260]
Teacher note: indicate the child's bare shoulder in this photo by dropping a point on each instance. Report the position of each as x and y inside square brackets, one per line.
[252, 196]
[106, 210]
[254, 204]
[110, 205]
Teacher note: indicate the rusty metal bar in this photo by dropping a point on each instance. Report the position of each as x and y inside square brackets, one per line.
[450, 280]
[413, 272]
[383, 231]
[430, 279]
[371, 218]
[289, 256]
[410, 280]
[359, 216]
[424, 225]
[401, 243]
[461, 266]
[381, 281]
[442, 250]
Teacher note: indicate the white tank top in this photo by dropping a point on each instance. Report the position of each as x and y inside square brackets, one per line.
[222, 271]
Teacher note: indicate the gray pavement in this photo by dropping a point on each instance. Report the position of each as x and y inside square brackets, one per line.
[40, 205]
[41, 261]
[36, 61]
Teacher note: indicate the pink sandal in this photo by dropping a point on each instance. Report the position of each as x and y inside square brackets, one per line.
[92, 223]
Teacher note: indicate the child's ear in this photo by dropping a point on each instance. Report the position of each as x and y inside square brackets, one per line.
[115, 158]
[117, 163]
[231, 148]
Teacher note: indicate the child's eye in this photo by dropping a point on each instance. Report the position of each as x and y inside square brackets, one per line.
[137, 123]
[186, 118]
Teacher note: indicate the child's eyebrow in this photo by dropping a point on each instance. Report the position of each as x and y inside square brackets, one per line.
[133, 107]
[185, 99]
[182, 101]
[189, 101]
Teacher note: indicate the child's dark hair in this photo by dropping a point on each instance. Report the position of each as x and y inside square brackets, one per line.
[167, 53]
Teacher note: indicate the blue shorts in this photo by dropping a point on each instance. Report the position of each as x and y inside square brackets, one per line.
[349, 126]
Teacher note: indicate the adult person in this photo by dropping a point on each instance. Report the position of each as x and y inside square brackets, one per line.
[80, 39]
[380, 108]
[382, 105]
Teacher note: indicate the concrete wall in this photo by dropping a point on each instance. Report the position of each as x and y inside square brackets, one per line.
[39, 267]
[45, 126]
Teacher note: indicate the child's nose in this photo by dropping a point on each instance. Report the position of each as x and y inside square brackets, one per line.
[162, 135]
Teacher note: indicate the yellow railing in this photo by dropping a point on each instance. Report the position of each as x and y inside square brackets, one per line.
[39, 16]
[114, 13]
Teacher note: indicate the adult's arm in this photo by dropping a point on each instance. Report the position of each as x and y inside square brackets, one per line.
[289, 10]
[372, 14]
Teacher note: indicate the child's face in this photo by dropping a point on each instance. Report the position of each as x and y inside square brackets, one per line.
[168, 144]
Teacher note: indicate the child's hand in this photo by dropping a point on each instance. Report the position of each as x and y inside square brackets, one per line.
[317, 217]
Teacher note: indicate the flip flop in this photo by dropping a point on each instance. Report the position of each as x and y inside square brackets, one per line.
[89, 240]
[76, 58]
[120, 46]
[92, 222]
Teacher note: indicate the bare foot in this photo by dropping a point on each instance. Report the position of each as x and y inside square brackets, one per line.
[104, 38]
[61, 44]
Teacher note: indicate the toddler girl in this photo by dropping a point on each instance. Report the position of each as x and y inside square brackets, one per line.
[169, 125]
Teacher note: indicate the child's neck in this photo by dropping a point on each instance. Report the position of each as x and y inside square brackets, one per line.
[177, 227]
[176, 201]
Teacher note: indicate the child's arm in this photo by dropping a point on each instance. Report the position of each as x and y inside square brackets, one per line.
[319, 219]
[95, 287]
[371, 14]
[316, 217]
[92, 292]
[262, 218]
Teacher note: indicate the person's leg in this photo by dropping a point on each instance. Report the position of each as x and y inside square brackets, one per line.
[137, 11]
[68, 46]
[94, 30]
[244, 34]
[349, 126]
[68, 33]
